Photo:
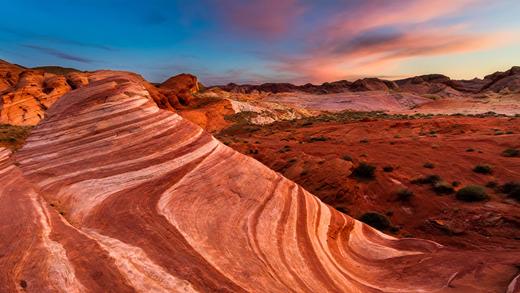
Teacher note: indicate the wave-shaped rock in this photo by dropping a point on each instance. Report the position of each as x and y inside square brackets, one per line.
[111, 193]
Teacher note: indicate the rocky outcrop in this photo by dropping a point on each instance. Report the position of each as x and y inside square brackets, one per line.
[26, 102]
[116, 194]
[179, 89]
[373, 84]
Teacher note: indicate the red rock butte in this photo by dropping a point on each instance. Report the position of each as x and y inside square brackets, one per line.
[112, 194]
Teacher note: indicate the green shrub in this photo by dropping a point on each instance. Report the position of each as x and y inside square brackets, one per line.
[347, 158]
[364, 171]
[472, 193]
[511, 153]
[512, 189]
[430, 179]
[388, 169]
[319, 138]
[443, 187]
[404, 194]
[376, 220]
[482, 169]
[429, 165]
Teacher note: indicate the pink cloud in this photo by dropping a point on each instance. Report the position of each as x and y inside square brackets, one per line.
[372, 38]
[379, 55]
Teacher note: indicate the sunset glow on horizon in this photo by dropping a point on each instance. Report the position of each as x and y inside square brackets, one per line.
[295, 41]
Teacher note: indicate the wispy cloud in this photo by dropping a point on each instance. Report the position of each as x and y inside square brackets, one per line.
[53, 39]
[375, 36]
[59, 54]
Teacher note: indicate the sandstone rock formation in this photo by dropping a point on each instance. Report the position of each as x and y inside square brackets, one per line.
[35, 91]
[111, 193]
[498, 82]
[180, 89]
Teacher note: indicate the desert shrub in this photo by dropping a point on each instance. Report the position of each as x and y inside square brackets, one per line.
[365, 141]
[388, 169]
[430, 179]
[482, 169]
[376, 220]
[347, 158]
[472, 193]
[511, 153]
[470, 150]
[404, 194]
[429, 165]
[512, 189]
[455, 183]
[491, 184]
[292, 160]
[364, 171]
[443, 187]
[499, 132]
[319, 138]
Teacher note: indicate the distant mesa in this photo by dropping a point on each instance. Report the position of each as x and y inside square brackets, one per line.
[498, 82]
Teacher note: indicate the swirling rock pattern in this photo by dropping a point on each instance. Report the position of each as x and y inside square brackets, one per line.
[112, 194]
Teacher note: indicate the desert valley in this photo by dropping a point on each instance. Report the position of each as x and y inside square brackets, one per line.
[263, 146]
[365, 186]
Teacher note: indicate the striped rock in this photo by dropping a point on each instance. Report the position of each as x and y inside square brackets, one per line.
[112, 194]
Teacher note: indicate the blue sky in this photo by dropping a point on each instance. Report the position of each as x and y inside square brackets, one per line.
[298, 41]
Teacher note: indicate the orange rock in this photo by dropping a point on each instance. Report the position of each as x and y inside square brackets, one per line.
[181, 88]
[34, 92]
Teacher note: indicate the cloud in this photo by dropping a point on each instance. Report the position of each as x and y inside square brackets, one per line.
[57, 40]
[372, 38]
[59, 54]
[266, 18]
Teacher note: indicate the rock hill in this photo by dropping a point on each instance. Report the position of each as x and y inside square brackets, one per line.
[498, 82]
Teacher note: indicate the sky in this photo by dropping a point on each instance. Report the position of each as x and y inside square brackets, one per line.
[246, 41]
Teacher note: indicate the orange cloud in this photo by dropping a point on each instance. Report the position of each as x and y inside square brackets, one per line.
[376, 55]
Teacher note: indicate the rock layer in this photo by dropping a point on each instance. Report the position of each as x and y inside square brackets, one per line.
[111, 193]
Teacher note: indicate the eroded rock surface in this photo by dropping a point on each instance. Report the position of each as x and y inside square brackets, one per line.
[111, 193]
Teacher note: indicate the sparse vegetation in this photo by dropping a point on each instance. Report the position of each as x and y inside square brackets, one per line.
[470, 150]
[364, 171]
[511, 152]
[455, 183]
[404, 194]
[347, 158]
[429, 165]
[388, 169]
[443, 187]
[512, 189]
[472, 193]
[376, 220]
[483, 169]
[12, 136]
[492, 184]
[318, 138]
[430, 179]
